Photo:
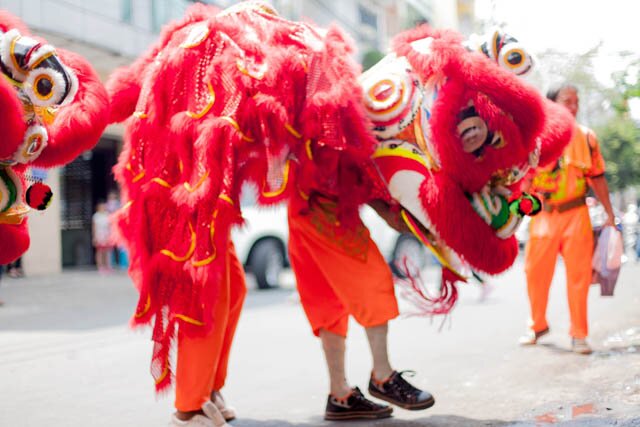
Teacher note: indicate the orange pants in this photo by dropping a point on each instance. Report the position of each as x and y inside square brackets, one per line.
[333, 284]
[568, 233]
[202, 362]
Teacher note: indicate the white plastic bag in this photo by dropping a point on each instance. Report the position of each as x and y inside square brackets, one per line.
[607, 259]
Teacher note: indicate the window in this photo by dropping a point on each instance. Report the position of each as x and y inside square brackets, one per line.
[367, 17]
[126, 11]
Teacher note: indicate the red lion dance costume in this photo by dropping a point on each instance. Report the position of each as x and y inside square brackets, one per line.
[54, 107]
[244, 95]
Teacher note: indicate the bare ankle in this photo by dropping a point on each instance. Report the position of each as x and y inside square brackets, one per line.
[382, 374]
[341, 391]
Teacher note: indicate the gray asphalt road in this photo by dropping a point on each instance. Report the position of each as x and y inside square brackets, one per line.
[68, 358]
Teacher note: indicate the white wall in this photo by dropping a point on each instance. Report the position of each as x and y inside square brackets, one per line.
[45, 254]
[94, 21]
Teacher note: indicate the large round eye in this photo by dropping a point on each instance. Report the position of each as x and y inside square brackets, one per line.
[43, 87]
[515, 59]
[35, 140]
[46, 87]
[473, 133]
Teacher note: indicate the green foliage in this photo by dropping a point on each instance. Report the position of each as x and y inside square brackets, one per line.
[371, 58]
[620, 136]
[620, 144]
[603, 107]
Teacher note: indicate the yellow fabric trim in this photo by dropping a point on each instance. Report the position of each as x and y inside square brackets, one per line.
[12, 81]
[199, 40]
[41, 60]
[138, 177]
[235, 124]
[292, 131]
[189, 320]
[161, 182]
[226, 199]
[283, 187]
[494, 45]
[198, 184]
[206, 261]
[147, 306]
[164, 373]
[307, 146]
[210, 101]
[15, 215]
[400, 152]
[189, 253]
[12, 53]
[243, 69]
[436, 252]
[422, 142]
[210, 258]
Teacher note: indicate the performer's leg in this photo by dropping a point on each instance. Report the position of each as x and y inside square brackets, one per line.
[312, 256]
[334, 348]
[540, 260]
[577, 251]
[198, 360]
[237, 293]
[365, 287]
[377, 336]
[321, 305]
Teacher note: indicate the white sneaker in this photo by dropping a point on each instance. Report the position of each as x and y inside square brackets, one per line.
[212, 411]
[228, 412]
[211, 418]
[580, 346]
[196, 421]
[531, 337]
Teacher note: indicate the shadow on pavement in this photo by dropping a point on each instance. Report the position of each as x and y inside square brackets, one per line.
[432, 421]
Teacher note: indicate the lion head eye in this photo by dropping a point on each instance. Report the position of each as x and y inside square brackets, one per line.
[472, 130]
[43, 87]
[515, 59]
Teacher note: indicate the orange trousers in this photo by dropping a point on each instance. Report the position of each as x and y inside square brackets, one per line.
[202, 362]
[334, 284]
[569, 234]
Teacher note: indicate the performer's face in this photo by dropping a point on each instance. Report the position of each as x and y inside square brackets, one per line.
[568, 97]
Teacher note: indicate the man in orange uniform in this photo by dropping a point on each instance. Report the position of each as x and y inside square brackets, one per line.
[202, 362]
[340, 272]
[564, 227]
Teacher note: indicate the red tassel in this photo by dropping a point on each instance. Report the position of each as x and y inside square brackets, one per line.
[414, 290]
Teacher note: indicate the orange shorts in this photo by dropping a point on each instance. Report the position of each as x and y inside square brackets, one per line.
[336, 278]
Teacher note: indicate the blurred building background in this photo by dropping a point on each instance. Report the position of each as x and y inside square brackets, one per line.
[111, 33]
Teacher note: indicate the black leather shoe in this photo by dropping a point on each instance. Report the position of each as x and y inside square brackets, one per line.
[398, 391]
[355, 407]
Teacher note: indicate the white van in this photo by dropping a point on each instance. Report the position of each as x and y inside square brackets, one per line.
[261, 244]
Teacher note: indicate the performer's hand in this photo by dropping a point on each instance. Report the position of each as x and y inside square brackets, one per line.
[610, 222]
[390, 215]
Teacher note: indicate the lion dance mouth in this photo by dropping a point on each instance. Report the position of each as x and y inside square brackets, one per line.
[425, 136]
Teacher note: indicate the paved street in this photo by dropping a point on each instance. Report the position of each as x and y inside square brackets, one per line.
[68, 358]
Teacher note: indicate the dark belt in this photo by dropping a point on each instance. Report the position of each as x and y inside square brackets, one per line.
[564, 206]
